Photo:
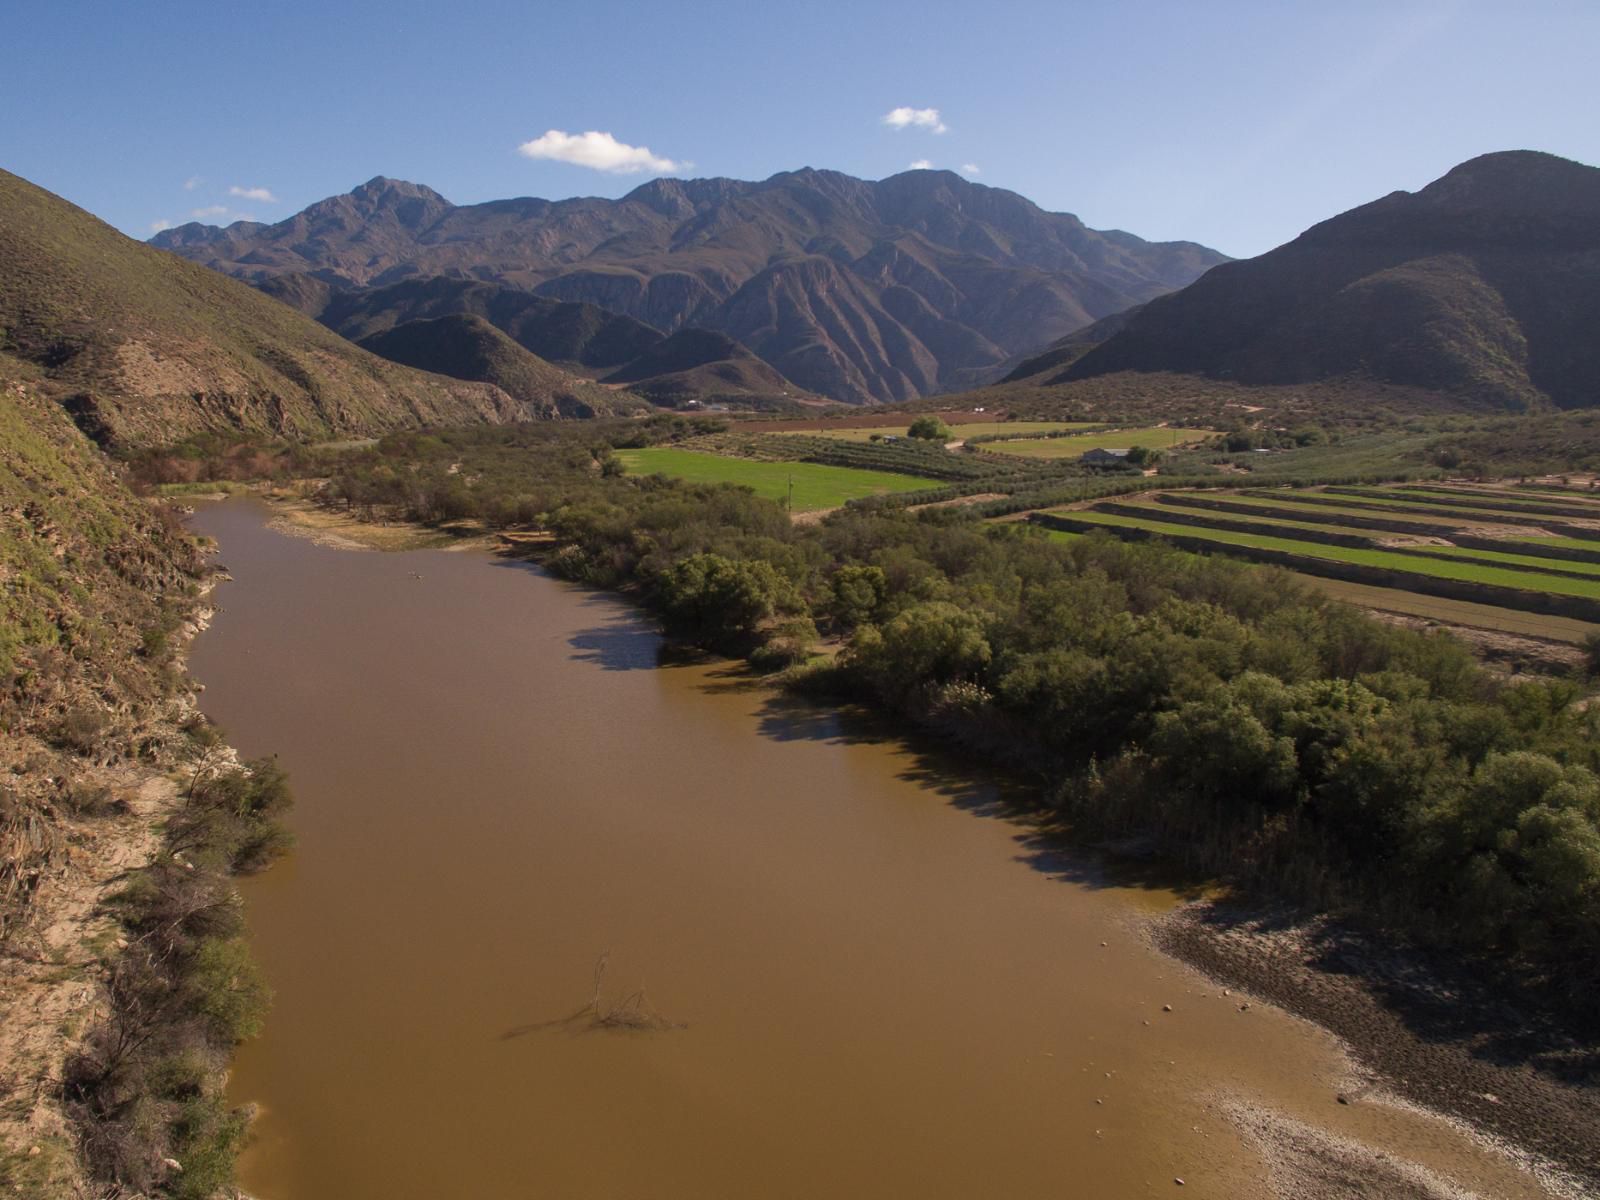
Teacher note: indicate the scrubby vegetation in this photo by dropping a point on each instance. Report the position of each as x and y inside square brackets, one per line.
[146, 1088]
[95, 585]
[93, 707]
[1251, 727]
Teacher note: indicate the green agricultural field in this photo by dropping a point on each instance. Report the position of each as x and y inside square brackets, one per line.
[1370, 520]
[1507, 558]
[1159, 512]
[1454, 612]
[1323, 507]
[1481, 502]
[1156, 438]
[957, 432]
[1499, 497]
[1270, 525]
[1388, 560]
[815, 486]
[1378, 504]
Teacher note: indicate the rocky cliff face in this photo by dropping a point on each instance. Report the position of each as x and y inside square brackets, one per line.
[855, 289]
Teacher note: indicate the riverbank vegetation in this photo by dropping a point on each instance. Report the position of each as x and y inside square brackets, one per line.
[145, 1089]
[125, 984]
[1242, 723]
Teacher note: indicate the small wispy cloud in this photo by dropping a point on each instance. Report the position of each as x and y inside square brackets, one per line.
[158, 225]
[921, 164]
[907, 117]
[970, 169]
[261, 194]
[598, 151]
[192, 182]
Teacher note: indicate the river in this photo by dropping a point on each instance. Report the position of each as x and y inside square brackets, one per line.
[876, 984]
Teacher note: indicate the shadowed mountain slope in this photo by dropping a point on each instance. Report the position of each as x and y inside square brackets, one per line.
[142, 347]
[465, 346]
[1484, 286]
[858, 290]
[700, 364]
[558, 332]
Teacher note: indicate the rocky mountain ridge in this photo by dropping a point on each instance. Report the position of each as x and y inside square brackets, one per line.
[854, 289]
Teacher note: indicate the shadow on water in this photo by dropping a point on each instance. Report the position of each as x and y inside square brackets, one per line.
[621, 644]
[994, 792]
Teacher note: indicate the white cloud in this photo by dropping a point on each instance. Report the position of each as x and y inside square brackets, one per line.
[970, 169]
[906, 117]
[192, 182]
[210, 210]
[264, 195]
[599, 151]
[921, 164]
[158, 225]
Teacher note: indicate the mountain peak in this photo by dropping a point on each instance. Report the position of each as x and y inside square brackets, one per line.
[1516, 181]
[381, 188]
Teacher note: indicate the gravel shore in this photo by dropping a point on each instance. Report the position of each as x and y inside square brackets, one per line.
[1427, 1029]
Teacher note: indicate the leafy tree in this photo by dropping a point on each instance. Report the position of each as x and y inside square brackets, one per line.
[858, 594]
[711, 595]
[930, 429]
[929, 643]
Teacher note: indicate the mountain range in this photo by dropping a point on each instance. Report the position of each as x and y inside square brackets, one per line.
[1483, 286]
[852, 289]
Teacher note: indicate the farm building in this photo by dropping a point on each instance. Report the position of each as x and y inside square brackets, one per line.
[1098, 455]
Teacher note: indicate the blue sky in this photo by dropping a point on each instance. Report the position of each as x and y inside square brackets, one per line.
[1232, 124]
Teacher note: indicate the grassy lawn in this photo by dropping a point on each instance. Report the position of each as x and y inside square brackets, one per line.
[1439, 568]
[815, 486]
[1070, 447]
[964, 430]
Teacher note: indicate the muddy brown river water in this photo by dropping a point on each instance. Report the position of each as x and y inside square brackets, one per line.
[883, 989]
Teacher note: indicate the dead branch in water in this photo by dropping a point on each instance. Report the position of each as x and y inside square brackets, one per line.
[633, 1013]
